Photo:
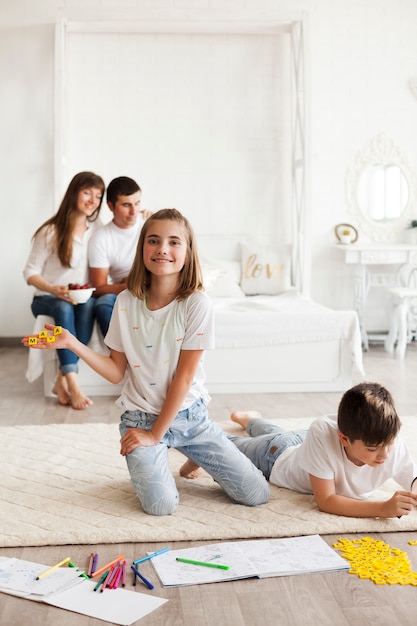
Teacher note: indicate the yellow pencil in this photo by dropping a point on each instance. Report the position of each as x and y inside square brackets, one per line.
[51, 569]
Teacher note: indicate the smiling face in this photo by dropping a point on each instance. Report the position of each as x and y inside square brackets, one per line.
[125, 210]
[362, 454]
[88, 200]
[165, 248]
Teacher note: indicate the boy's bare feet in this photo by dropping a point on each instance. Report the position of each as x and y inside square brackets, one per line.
[190, 469]
[60, 389]
[78, 399]
[244, 417]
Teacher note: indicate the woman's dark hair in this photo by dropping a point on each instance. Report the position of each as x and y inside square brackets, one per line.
[64, 219]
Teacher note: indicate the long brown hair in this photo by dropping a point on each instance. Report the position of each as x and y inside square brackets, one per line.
[64, 218]
[190, 277]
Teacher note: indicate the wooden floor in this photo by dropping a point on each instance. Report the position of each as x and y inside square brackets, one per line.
[332, 598]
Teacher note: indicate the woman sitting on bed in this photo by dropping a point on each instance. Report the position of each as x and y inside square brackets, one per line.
[340, 459]
[59, 257]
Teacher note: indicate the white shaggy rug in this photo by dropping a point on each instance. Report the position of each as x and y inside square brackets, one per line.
[68, 484]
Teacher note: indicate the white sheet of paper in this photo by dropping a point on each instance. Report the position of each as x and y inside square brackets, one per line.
[19, 575]
[119, 606]
[293, 555]
[173, 573]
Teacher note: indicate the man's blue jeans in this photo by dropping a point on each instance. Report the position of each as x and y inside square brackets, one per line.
[103, 310]
[77, 318]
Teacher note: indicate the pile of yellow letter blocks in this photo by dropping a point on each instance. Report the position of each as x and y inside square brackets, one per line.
[378, 561]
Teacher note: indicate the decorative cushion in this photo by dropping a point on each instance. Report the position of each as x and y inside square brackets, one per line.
[265, 271]
[221, 278]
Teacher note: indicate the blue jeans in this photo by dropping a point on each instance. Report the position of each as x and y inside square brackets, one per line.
[202, 441]
[103, 309]
[266, 443]
[78, 319]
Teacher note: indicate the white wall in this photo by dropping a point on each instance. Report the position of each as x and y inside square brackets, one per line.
[201, 120]
[361, 55]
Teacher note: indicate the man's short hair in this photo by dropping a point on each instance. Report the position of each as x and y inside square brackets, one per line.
[121, 186]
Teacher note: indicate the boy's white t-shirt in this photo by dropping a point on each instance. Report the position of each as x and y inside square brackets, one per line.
[152, 342]
[322, 455]
[114, 248]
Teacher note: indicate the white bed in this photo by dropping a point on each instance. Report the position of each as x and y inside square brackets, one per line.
[264, 343]
[272, 343]
[280, 344]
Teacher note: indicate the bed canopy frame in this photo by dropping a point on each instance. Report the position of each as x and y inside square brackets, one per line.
[296, 29]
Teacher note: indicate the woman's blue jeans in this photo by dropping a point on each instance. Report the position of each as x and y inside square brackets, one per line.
[77, 318]
[266, 443]
[202, 441]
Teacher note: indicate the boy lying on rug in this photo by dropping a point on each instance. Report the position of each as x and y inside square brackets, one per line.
[339, 459]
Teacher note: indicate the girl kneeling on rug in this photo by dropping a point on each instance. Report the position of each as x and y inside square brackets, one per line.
[160, 327]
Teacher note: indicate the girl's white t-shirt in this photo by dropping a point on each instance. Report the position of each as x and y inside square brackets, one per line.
[152, 342]
[322, 455]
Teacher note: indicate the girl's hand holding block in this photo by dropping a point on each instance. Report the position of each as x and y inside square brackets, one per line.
[44, 339]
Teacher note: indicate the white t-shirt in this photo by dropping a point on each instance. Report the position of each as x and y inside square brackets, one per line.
[322, 455]
[43, 260]
[152, 342]
[114, 248]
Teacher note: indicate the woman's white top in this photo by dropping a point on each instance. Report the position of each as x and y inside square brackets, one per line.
[43, 259]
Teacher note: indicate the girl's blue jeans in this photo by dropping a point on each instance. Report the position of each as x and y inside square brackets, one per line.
[78, 319]
[266, 443]
[202, 441]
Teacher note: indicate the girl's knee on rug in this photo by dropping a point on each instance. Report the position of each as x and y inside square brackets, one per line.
[165, 504]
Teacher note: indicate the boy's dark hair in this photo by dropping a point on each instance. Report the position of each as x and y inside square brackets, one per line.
[367, 412]
[121, 186]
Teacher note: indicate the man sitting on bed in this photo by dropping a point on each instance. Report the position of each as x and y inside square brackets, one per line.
[339, 459]
[112, 248]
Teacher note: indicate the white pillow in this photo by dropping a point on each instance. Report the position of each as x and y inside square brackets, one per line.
[265, 271]
[221, 278]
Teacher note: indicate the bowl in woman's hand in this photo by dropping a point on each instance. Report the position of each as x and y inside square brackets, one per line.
[80, 295]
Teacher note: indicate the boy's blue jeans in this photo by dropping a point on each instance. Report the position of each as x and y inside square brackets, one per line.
[201, 440]
[78, 319]
[266, 443]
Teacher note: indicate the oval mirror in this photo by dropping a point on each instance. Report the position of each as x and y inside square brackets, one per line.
[379, 189]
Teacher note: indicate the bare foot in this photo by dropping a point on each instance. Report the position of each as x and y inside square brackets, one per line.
[190, 469]
[244, 417]
[60, 389]
[78, 399]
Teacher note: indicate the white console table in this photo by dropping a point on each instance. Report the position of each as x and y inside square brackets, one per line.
[375, 254]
